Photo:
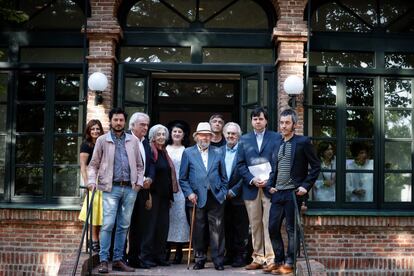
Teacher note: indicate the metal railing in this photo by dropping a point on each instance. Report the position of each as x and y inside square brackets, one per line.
[86, 231]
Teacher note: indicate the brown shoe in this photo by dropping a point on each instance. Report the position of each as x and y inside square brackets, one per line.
[253, 266]
[103, 267]
[270, 268]
[121, 266]
[283, 269]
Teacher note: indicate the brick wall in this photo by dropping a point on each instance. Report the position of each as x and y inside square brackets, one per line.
[362, 245]
[34, 242]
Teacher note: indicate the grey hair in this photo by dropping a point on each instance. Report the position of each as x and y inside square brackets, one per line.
[239, 131]
[154, 130]
[137, 116]
[290, 112]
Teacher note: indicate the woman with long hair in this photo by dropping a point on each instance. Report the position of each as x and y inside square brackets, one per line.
[92, 132]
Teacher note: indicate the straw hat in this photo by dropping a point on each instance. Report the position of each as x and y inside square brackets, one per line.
[203, 127]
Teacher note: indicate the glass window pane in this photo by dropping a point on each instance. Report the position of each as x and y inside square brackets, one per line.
[31, 87]
[342, 59]
[4, 54]
[248, 120]
[392, 9]
[60, 14]
[156, 54]
[209, 7]
[360, 92]
[360, 123]
[153, 13]
[252, 91]
[331, 17]
[237, 55]
[398, 124]
[359, 187]
[397, 187]
[397, 156]
[244, 14]
[132, 109]
[323, 122]
[359, 153]
[4, 79]
[3, 112]
[68, 87]
[323, 91]
[64, 181]
[397, 93]
[366, 9]
[30, 118]
[29, 149]
[66, 150]
[135, 89]
[265, 93]
[184, 7]
[2, 162]
[28, 181]
[2, 177]
[67, 119]
[325, 186]
[399, 61]
[51, 55]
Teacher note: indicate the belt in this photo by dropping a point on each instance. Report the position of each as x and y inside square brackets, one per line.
[122, 183]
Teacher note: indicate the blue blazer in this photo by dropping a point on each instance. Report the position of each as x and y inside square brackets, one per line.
[195, 178]
[304, 167]
[249, 155]
[235, 181]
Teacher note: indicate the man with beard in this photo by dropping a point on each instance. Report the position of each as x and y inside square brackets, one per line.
[296, 168]
[217, 122]
[204, 182]
[117, 167]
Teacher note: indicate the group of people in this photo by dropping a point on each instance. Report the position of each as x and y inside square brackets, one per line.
[152, 190]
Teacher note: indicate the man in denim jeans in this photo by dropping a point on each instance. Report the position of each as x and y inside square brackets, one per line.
[117, 166]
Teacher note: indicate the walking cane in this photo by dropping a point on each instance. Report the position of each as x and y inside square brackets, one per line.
[191, 236]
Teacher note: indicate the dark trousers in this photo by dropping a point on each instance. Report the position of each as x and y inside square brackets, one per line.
[214, 212]
[136, 229]
[282, 207]
[236, 230]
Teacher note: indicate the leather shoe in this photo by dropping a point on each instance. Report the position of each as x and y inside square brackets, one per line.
[103, 267]
[238, 262]
[198, 265]
[283, 269]
[138, 264]
[162, 263]
[219, 267]
[253, 266]
[121, 266]
[271, 267]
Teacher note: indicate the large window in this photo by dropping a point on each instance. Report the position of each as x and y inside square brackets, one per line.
[360, 103]
[41, 102]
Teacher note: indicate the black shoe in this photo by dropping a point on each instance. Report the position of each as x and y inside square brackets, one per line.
[238, 262]
[228, 260]
[103, 267]
[198, 265]
[178, 257]
[162, 263]
[219, 267]
[148, 263]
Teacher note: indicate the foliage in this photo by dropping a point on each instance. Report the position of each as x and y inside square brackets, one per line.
[8, 14]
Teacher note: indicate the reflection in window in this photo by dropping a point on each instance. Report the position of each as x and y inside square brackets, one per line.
[51, 55]
[342, 59]
[324, 91]
[29, 149]
[156, 54]
[397, 124]
[397, 93]
[359, 92]
[398, 187]
[360, 123]
[68, 87]
[135, 89]
[399, 61]
[28, 181]
[397, 156]
[3, 54]
[325, 186]
[233, 55]
[63, 181]
[323, 122]
[67, 118]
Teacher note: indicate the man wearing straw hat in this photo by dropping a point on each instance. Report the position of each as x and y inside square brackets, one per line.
[204, 182]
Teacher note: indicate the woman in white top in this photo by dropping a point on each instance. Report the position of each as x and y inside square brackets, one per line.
[324, 189]
[178, 233]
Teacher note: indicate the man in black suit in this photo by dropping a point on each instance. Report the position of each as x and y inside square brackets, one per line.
[236, 221]
[138, 125]
[296, 168]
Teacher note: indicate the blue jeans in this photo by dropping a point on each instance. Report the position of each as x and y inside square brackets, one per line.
[282, 207]
[117, 206]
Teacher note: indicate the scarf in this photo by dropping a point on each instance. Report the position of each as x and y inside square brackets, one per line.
[174, 181]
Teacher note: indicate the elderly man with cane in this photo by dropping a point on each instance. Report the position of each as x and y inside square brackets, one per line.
[204, 182]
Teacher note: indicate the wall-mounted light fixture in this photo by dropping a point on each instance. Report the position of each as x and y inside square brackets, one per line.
[293, 86]
[98, 82]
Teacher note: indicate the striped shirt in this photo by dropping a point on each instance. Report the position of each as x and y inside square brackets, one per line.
[284, 181]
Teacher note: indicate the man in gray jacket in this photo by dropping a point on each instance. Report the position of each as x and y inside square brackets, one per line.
[116, 168]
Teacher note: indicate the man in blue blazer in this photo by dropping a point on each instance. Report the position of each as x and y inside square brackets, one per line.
[296, 168]
[204, 182]
[235, 215]
[255, 150]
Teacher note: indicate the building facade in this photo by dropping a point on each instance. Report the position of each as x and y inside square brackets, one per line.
[189, 59]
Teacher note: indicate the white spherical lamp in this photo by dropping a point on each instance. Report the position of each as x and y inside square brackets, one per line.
[98, 82]
[293, 85]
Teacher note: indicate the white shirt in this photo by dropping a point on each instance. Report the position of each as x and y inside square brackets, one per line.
[141, 149]
[259, 138]
[204, 156]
